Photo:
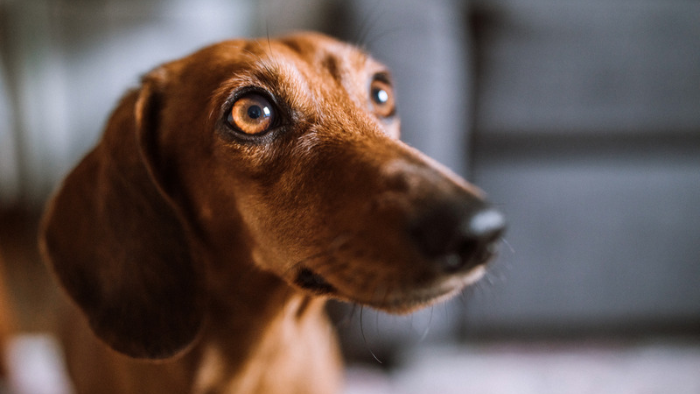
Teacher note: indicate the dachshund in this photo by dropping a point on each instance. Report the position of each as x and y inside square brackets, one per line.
[231, 195]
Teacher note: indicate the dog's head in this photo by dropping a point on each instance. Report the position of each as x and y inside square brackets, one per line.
[276, 156]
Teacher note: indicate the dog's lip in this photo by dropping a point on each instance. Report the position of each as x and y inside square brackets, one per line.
[410, 300]
[449, 287]
[314, 282]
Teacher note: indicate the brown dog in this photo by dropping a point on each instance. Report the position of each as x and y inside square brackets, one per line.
[229, 197]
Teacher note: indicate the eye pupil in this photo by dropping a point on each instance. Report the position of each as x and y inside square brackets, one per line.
[380, 96]
[254, 112]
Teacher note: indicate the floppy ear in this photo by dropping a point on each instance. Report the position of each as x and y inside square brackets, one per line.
[116, 243]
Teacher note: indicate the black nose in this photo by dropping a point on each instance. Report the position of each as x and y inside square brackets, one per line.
[458, 236]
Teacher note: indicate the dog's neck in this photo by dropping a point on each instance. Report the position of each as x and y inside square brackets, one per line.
[272, 341]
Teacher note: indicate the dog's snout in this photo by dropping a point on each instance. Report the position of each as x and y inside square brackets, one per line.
[486, 225]
[458, 236]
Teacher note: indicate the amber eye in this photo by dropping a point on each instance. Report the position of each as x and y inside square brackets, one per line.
[252, 114]
[382, 98]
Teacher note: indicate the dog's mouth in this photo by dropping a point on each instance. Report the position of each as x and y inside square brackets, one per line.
[408, 300]
[401, 300]
[314, 282]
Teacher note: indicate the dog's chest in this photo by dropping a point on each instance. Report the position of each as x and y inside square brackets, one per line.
[289, 359]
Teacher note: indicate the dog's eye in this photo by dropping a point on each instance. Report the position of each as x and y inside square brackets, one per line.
[252, 114]
[382, 97]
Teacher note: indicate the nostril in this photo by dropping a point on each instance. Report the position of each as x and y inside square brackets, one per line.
[459, 236]
[434, 231]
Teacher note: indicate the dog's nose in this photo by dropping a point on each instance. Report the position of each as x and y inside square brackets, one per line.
[458, 236]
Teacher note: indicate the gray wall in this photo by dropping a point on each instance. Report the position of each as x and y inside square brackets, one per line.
[64, 64]
[588, 137]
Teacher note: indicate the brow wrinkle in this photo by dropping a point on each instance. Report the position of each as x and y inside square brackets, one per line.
[294, 45]
[330, 63]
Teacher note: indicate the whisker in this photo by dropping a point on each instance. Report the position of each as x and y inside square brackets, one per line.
[347, 319]
[510, 247]
[267, 34]
[362, 330]
[496, 273]
[265, 63]
[427, 328]
[466, 295]
[376, 322]
[489, 278]
[484, 288]
[386, 33]
[366, 25]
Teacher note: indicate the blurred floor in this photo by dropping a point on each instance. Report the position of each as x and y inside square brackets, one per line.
[657, 367]
[540, 368]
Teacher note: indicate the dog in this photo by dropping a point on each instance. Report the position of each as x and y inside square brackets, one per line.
[233, 193]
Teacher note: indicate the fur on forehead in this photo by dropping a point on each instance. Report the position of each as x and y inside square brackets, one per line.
[295, 78]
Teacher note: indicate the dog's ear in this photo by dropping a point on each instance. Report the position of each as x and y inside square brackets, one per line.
[117, 244]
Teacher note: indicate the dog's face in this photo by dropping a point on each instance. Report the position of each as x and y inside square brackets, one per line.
[275, 158]
[294, 143]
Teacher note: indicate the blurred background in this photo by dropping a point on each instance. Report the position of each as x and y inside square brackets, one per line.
[581, 120]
